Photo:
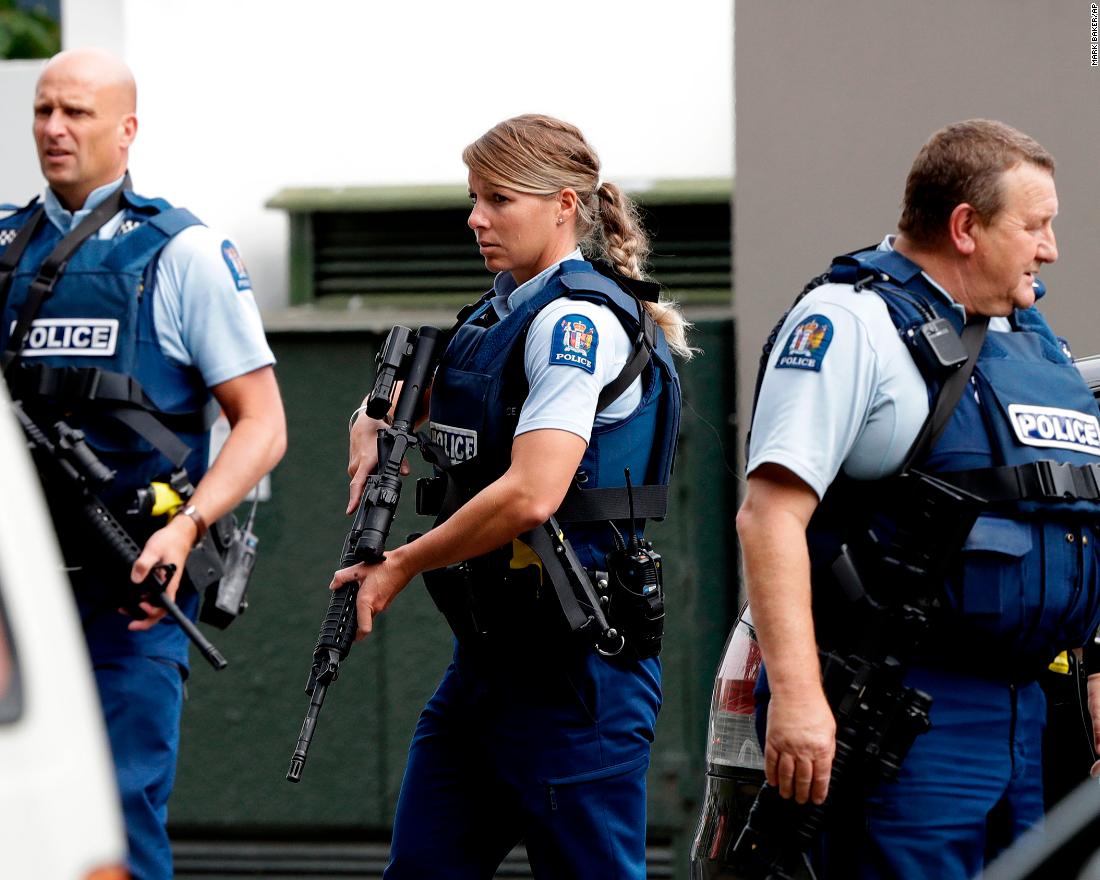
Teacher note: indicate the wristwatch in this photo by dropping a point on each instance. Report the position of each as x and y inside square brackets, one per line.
[196, 517]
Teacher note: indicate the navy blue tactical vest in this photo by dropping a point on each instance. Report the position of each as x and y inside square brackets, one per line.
[95, 329]
[1024, 585]
[480, 386]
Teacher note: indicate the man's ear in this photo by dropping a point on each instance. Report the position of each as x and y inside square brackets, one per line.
[963, 227]
[127, 130]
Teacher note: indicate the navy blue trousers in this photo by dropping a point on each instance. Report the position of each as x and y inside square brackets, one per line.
[142, 699]
[968, 787]
[513, 749]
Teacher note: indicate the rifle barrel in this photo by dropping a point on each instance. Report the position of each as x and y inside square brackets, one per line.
[305, 736]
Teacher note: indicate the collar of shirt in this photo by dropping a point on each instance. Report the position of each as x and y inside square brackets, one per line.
[508, 296]
[66, 220]
[999, 323]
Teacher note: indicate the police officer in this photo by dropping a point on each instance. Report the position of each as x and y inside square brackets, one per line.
[149, 315]
[845, 393]
[531, 736]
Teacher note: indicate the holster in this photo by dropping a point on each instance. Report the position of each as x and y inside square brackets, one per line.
[450, 590]
[485, 602]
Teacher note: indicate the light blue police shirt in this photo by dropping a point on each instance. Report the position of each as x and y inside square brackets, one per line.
[563, 396]
[861, 411]
[202, 318]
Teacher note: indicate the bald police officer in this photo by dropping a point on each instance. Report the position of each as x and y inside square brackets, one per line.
[150, 315]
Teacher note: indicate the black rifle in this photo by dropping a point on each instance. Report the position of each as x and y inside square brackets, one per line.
[409, 358]
[877, 720]
[877, 717]
[75, 466]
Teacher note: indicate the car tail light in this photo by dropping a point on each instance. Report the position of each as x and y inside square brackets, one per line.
[108, 872]
[732, 738]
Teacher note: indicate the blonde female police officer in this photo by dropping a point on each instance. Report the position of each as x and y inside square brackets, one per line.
[531, 736]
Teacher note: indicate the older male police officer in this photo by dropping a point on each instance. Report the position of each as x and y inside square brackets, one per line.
[149, 315]
[843, 398]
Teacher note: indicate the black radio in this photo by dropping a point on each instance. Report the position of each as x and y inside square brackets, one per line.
[633, 589]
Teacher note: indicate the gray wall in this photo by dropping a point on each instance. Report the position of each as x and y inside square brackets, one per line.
[833, 102]
[18, 163]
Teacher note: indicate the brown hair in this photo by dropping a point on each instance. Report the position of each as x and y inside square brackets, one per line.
[542, 155]
[963, 162]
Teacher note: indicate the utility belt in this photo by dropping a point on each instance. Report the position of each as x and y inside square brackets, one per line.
[491, 604]
[538, 589]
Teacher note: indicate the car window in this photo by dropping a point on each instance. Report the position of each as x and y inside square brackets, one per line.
[11, 694]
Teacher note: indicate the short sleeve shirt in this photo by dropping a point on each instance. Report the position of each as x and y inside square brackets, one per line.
[857, 402]
[204, 309]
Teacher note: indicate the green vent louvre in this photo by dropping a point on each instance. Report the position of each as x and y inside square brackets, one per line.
[398, 252]
[410, 246]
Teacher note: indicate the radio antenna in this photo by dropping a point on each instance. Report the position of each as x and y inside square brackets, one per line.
[634, 540]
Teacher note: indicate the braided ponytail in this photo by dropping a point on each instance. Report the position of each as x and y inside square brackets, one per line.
[625, 245]
[622, 237]
[543, 155]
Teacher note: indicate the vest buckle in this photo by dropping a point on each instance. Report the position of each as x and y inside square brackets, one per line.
[80, 384]
[1059, 479]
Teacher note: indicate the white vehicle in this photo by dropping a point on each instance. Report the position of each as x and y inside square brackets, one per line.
[60, 817]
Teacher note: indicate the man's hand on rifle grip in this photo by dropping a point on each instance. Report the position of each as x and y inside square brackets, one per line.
[168, 545]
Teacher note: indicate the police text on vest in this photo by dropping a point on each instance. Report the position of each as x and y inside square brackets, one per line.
[75, 337]
[1061, 428]
[458, 444]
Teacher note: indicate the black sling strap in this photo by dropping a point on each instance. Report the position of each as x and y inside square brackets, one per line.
[14, 252]
[951, 392]
[568, 578]
[53, 266]
[643, 345]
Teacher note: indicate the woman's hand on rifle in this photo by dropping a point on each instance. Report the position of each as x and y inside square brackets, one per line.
[363, 449]
[379, 584]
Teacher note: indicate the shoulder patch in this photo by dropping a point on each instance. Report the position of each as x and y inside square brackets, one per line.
[574, 343]
[807, 344]
[236, 265]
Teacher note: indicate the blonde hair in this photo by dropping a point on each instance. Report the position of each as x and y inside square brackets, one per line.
[542, 156]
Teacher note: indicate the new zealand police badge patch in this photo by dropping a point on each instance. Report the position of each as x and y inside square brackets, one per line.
[574, 343]
[808, 342]
[236, 265]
